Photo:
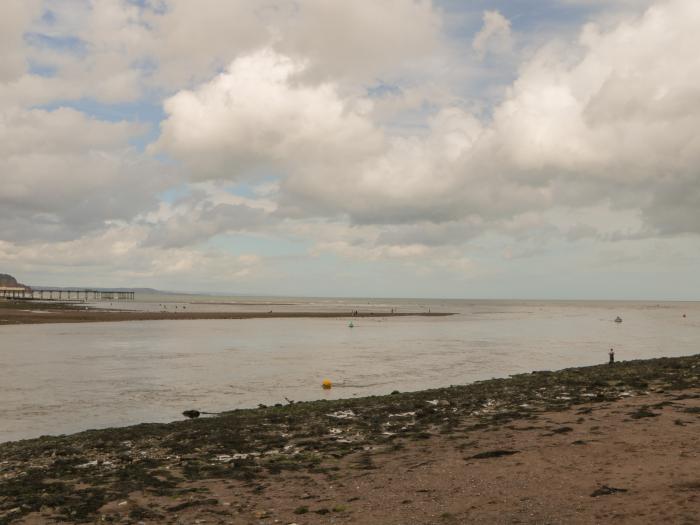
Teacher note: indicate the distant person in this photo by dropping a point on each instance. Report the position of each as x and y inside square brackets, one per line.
[611, 353]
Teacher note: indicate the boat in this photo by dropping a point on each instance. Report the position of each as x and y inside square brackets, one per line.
[618, 319]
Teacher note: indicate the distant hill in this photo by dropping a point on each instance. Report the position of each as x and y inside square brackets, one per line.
[143, 291]
[6, 280]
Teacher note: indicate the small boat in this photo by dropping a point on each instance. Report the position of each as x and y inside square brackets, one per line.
[618, 319]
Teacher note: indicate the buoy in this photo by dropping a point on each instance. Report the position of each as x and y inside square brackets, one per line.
[326, 384]
[351, 325]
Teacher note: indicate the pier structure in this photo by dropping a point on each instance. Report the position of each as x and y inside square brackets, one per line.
[14, 292]
[67, 294]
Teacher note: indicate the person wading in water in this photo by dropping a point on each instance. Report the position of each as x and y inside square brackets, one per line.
[611, 353]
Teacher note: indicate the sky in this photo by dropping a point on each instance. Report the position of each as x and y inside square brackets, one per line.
[544, 149]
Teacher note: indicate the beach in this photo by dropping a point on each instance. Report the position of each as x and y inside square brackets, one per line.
[408, 262]
[581, 445]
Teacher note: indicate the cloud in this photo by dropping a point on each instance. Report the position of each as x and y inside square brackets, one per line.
[618, 121]
[190, 227]
[363, 41]
[117, 257]
[64, 173]
[258, 112]
[495, 35]
[334, 160]
[609, 111]
[353, 41]
[15, 16]
[75, 50]
[358, 129]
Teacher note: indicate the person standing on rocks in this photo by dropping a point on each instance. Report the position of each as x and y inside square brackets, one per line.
[611, 353]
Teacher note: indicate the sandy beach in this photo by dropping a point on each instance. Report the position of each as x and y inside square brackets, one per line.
[589, 445]
[32, 312]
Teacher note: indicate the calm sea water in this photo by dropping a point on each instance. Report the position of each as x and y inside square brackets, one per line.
[61, 378]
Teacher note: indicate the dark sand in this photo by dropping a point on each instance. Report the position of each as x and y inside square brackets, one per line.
[30, 312]
[591, 445]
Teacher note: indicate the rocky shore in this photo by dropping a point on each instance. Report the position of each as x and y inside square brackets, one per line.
[588, 445]
[34, 312]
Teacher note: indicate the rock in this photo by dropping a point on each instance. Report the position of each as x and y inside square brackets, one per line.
[562, 430]
[192, 414]
[494, 454]
[642, 412]
[604, 490]
[342, 414]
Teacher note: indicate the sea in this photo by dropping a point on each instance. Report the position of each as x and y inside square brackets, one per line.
[64, 378]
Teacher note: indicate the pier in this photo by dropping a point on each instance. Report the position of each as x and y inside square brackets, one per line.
[67, 294]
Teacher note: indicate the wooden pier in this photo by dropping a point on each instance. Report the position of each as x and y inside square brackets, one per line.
[65, 294]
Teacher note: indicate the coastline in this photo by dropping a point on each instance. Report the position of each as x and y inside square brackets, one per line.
[26, 312]
[578, 445]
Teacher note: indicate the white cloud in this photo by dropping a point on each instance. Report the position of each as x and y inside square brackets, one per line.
[259, 112]
[620, 121]
[118, 257]
[89, 49]
[495, 36]
[364, 41]
[355, 41]
[15, 16]
[63, 173]
[356, 117]
[612, 109]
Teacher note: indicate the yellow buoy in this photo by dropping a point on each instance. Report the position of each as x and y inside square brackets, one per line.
[327, 384]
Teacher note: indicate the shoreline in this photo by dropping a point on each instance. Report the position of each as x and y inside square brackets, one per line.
[28, 312]
[578, 445]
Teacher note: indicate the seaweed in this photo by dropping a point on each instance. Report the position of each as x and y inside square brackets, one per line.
[73, 476]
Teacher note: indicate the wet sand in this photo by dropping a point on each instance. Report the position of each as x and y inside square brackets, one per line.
[588, 445]
[28, 312]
